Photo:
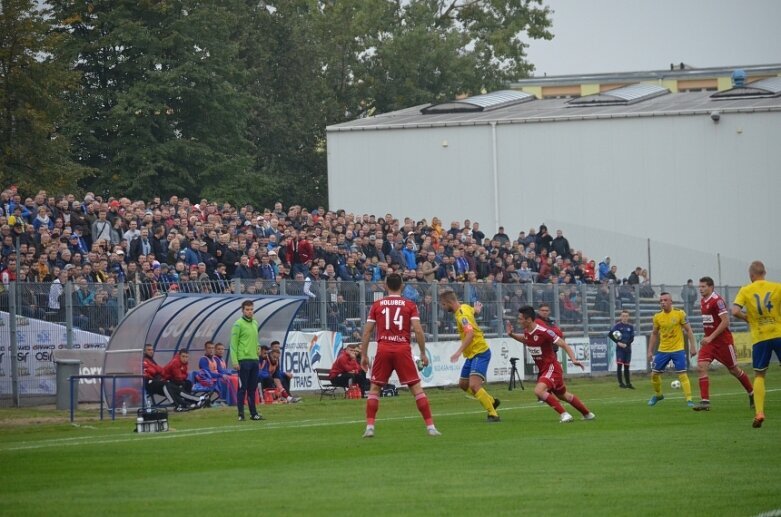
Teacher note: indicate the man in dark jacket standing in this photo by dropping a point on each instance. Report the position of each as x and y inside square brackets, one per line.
[561, 245]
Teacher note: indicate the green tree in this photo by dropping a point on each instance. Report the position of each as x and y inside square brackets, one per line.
[318, 62]
[291, 103]
[389, 54]
[230, 98]
[34, 152]
[160, 108]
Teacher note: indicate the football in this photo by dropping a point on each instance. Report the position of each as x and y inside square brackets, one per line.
[676, 384]
[616, 335]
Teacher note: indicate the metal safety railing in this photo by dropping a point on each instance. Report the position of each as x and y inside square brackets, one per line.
[102, 378]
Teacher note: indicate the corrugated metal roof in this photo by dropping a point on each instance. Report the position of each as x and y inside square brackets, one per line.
[558, 110]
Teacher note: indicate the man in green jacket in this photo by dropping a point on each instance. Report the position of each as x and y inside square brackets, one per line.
[244, 357]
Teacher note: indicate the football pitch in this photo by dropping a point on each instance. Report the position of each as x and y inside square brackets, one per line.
[310, 459]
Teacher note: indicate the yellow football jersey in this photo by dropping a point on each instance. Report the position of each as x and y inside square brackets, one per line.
[670, 325]
[762, 303]
[465, 319]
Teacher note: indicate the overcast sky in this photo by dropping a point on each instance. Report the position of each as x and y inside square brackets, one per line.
[593, 36]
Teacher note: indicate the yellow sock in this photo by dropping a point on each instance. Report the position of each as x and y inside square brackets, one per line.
[656, 383]
[685, 385]
[759, 394]
[486, 400]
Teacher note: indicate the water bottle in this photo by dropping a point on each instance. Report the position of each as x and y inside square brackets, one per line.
[124, 408]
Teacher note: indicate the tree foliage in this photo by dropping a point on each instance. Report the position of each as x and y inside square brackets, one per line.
[230, 98]
[34, 152]
[160, 108]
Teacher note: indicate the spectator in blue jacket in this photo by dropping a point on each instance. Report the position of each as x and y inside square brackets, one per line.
[43, 219]
[350, 272]
[604, 269]
[409, 255]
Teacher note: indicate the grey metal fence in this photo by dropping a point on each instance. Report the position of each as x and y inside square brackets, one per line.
[51, 316]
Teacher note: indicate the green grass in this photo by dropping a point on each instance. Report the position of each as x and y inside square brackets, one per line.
[310, 459]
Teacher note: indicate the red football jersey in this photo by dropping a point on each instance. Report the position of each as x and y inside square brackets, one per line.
[554, 328]
[393, 317]
[712, 308]
[539, 343]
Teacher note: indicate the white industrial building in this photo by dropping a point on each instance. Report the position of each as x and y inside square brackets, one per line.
[685, 184]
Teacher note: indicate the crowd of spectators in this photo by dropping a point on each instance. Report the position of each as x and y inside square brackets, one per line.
[175, 245]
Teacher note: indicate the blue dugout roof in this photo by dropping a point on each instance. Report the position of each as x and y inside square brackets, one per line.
[186, 321]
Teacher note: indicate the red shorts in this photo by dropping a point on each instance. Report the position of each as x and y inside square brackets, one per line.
[725, 354]
[394, 357]
[553, 378]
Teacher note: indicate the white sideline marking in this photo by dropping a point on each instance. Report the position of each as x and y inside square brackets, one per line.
[248, 426]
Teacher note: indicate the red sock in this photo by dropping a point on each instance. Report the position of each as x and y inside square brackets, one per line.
[421, 400]
[705, 388]
[553, 402]
[577, 404]
[744, 380]
[372, 405]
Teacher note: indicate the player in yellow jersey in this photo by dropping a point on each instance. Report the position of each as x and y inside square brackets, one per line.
[669, 326]
[759, 304]
[475, 348]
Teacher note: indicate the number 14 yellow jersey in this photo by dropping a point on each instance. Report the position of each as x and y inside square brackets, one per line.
[762, 302]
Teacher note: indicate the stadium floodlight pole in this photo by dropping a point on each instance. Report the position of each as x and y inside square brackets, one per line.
[584, 308]
[121, 308]
[69, 315]
[496, 175]
[14, 348]
[322, 288]
[14, 345]
[433, 317]
[648, 246]
[718, 263]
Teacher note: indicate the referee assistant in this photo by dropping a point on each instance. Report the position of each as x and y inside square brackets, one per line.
[244, 357]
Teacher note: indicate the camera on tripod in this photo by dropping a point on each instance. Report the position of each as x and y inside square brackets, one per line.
[515, 376]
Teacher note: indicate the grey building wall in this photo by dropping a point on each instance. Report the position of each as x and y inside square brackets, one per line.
[705, 195]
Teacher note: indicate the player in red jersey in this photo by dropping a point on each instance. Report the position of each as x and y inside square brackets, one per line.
[394, 317]
[544, 319]
[539, 341]
[717, 344]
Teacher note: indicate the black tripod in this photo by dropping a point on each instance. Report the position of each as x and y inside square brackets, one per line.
[515, 377]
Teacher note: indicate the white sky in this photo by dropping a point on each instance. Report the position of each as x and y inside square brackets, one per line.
[593, 36]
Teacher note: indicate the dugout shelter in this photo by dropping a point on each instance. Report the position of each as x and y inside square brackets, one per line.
[186, 321]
